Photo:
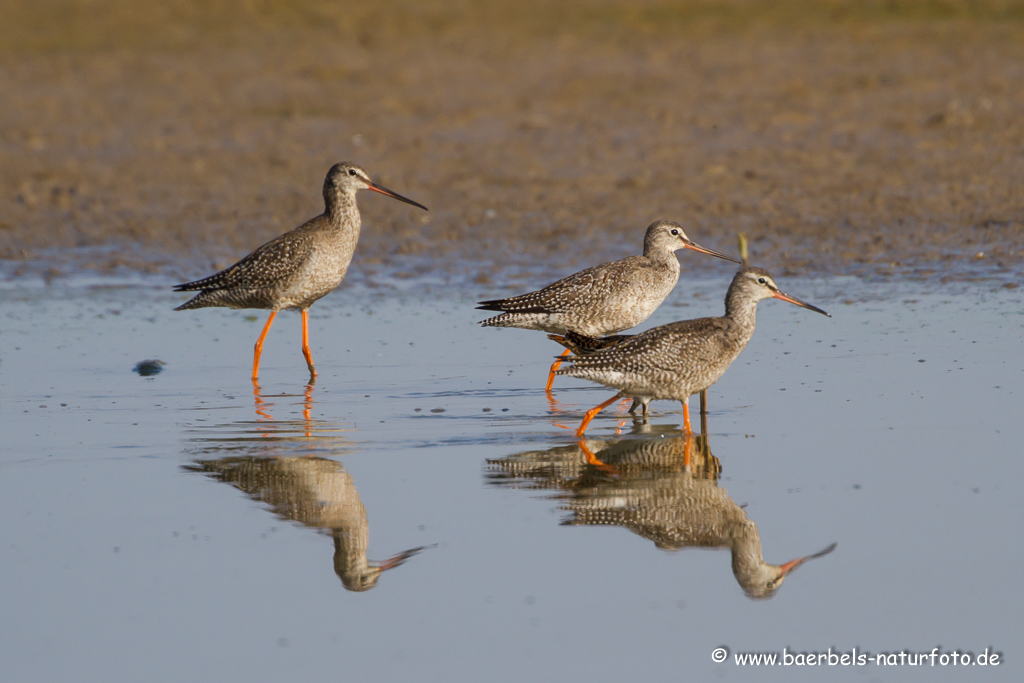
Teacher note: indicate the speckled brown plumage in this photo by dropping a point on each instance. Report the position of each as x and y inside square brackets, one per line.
[603, 299]
[318, 493]
[299, 267]
[676, 360]
[582, 345]
[654, 495]
[606, 298]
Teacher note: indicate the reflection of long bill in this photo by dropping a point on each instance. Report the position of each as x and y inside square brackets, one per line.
[398, 559]
[793, 564]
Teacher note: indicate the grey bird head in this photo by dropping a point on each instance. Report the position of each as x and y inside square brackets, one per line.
[668, 235]
[765, 579]
[356, 573]
[349, 178]
[757, 284]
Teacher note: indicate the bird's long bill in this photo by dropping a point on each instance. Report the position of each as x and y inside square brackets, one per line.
[399, 559]
[704, 250]
[793, 564]
[383, 190]
[794, 300]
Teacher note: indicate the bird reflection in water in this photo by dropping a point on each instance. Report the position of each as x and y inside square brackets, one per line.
[318, 493]
[643, 485]
[278, 462]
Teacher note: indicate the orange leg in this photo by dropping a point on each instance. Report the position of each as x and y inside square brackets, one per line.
[592, 412]
[259, 346]
[686, 418]
[305, 343]
[554, 366]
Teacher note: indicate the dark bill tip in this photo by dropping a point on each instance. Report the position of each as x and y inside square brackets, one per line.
[710, 252]
[798, 302]
[383, 190]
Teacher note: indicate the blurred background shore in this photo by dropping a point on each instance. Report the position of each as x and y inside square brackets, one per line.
[854, 137]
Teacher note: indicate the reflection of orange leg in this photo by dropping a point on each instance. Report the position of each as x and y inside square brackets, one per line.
[593, 459]
[259, 346]
[686, 418]
[260, 408]
[307, 407]
[686, 452]
[305, 343]
[588, 454]
[556, 406]
[592, 412]
[554, 366]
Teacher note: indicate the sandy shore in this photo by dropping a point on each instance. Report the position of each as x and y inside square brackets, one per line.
[849, 137]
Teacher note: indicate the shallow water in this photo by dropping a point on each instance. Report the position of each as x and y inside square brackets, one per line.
[892, 429]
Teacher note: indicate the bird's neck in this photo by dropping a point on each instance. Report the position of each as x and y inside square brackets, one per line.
[740, 308]
[341, 209]
[747, 561]
[662, 256]
[350, 563]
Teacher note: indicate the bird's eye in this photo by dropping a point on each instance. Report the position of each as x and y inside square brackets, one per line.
[770, 585]
[761, 281]
[351, 171]
[674, 231]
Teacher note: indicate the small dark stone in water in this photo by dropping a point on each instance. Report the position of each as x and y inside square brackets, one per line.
[437, 410]
[148, 368]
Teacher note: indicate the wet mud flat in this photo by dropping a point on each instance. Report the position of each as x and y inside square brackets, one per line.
[843, 137]
[421, 511]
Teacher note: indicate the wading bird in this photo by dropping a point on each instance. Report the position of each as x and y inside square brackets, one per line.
[300, 266]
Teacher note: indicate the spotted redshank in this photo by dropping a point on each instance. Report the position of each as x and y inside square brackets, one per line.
[603, 299]
[300, 266]
[676, 360]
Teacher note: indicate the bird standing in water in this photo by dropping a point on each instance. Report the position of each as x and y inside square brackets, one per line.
[603, 299]
[297, 268]
[679, 359]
